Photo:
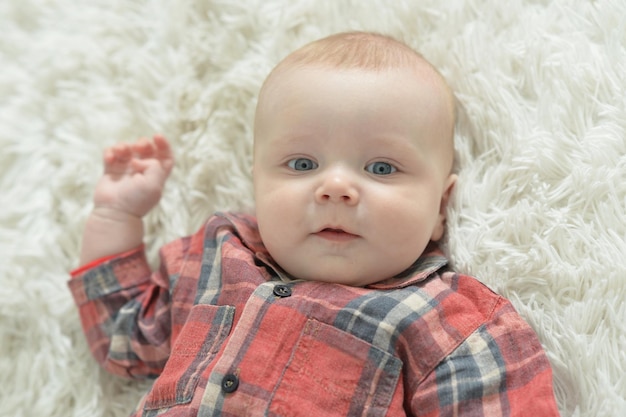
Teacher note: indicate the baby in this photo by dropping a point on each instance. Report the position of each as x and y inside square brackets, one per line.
[334, 299]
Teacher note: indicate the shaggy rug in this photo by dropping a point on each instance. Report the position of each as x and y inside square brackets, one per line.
[538, 214]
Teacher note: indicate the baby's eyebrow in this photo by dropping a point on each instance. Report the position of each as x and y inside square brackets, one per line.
[296, 139]
[391, 142]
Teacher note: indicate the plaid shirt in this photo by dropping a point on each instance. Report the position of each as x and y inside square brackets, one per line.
[228, 334]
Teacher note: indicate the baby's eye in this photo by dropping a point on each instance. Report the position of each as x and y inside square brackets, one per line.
[380, 168]
[302, 164]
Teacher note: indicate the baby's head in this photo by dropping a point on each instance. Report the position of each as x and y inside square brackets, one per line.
[353, 153]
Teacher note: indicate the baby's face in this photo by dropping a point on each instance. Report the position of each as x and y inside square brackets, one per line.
[351, 171]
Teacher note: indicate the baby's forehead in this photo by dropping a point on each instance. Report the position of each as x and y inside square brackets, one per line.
[401, 90]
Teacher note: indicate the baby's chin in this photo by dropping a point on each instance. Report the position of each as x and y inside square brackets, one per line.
[342, 277]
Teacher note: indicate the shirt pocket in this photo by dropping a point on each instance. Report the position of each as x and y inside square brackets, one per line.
[333, 373]
[200, 339]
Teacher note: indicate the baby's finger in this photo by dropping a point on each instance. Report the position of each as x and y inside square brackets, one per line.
[162, 144]
[143, 148]
[121, 153]
[108, 156]
[163, 151]
[116, 158]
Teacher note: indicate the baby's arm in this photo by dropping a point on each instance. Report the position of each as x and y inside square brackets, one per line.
[132, 184]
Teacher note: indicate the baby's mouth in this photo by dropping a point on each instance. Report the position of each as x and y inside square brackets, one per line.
[336, 234]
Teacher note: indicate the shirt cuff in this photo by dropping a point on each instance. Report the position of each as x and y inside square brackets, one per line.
[81, 269]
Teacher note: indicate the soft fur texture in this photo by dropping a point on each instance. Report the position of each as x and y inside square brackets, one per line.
[538, 213]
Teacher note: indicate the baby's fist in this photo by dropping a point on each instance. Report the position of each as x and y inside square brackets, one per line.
[134, 176]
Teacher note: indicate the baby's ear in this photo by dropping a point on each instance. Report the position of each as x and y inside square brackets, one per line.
[439, 228]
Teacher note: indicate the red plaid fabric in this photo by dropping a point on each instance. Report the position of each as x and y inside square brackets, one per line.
[226, 333]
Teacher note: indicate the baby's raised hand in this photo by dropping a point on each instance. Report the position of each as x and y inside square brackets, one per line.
[134, 177]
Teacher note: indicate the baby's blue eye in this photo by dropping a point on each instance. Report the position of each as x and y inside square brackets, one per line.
[380, 168]
[302, 164]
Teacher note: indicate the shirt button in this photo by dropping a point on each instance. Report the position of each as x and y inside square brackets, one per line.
[282, 291]
[230, 383]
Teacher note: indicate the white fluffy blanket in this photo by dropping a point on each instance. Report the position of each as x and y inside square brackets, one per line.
[538, 214]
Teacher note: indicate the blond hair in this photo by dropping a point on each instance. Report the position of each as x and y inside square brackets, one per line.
[363, 50]
[357, 50]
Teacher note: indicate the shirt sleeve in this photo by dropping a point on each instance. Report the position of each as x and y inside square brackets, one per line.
[125, 309]
[499, 370]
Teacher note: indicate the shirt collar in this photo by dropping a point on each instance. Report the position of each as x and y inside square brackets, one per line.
[247, 229]
[431, 260]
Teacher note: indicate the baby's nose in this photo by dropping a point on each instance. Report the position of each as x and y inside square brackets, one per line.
[337, 187]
